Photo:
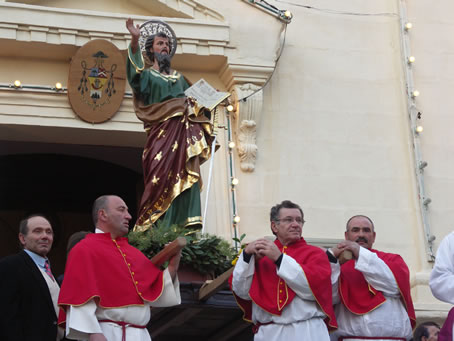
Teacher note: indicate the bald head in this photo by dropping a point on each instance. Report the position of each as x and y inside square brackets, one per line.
[111, 215]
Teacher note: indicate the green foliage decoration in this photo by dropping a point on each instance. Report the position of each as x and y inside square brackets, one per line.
[206, 254]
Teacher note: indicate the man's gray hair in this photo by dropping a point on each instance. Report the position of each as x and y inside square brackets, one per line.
[360, 216]
[274, 213]
[99, 204]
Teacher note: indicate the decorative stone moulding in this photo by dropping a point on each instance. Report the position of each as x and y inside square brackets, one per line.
[246, 79]
[60, 26]
[248, 114]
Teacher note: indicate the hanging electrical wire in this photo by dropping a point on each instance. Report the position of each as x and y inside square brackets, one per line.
[332, 11]
[281, 49]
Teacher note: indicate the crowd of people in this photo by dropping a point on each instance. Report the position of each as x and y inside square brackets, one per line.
[287, 288]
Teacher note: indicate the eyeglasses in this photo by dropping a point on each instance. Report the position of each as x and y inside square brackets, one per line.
[289, 220]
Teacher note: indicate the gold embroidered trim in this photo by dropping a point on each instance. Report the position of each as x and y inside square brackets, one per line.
[138, 68]
[343, 300]
[173, 77]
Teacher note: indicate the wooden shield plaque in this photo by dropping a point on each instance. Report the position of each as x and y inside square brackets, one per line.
[96, 83]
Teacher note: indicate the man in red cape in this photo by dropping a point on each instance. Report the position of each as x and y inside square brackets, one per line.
[284, 287]
[109, 286]
[373, 300]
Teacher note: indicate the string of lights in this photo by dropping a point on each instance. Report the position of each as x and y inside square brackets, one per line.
[17, 84]
[286, 16]
[416, 128]
[58, 87]
[233, 181]
[413, 112]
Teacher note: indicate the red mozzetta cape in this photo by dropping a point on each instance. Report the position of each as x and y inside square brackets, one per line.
[360, 297]
[272, 294]
[111, 271]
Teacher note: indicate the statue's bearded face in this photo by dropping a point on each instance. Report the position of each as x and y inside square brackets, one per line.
[161, 45]
[161, 52]
[163, 60]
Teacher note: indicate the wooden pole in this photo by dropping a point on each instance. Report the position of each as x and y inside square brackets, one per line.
[169, 251]
[206, 291]
[345, 256]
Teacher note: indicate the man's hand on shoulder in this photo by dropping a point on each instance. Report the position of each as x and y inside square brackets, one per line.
[97, 337]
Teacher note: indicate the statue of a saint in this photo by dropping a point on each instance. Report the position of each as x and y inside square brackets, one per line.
[179, 133]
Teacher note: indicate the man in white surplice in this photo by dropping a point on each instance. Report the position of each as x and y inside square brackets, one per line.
[442, 276]
[109, 285]
[284, 287]
[372, 291]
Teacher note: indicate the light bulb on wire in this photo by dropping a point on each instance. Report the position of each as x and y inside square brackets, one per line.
[288, 14]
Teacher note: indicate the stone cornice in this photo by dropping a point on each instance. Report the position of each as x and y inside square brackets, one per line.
[189, 8]
[23, 106]
[61, 26]
[232, 74]
[56, 26]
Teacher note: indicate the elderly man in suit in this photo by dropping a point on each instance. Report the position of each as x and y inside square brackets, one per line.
[28, 290]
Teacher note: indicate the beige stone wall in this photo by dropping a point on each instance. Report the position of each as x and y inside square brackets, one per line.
[333, 133]
[432, 45]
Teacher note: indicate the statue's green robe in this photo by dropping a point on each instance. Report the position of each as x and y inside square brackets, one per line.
[179, 139]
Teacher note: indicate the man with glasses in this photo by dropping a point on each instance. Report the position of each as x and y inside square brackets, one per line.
[284, 287]
[373, 299]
